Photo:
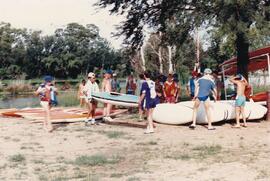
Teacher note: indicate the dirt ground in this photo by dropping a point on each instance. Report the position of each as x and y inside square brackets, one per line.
[121, 151]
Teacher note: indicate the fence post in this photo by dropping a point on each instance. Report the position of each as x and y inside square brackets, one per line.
[268, 106]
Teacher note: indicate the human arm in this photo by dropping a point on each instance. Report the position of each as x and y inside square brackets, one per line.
[232, 79]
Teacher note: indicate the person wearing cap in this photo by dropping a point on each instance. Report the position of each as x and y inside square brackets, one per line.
[89, 88]
[240, 100]
[44, 92]
[106, 86]
[115, 83]
[203, 87]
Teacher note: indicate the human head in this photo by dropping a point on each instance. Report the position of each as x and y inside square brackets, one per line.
[170, 78]
[147, 74]
[48, 79]
[92, 77]
[108, 74]
[141, 76]
[238, 77]
[83, 82]
[207, 71]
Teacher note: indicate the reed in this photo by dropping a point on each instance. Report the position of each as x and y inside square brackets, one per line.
[68, 99]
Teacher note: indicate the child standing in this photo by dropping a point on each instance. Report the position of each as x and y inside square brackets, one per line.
[149, 97]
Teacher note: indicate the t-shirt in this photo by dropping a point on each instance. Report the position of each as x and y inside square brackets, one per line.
[206, 85]
[90, 88]
[170, 88]
[148, 88]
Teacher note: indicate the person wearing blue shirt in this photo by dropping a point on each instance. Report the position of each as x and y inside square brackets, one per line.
[148, 97]
[203, 87]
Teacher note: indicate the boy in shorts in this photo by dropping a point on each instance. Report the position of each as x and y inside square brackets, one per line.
[240, 100]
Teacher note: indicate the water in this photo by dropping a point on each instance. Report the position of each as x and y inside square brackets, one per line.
[19, 102]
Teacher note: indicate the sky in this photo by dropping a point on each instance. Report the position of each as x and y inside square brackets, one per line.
[48, 15]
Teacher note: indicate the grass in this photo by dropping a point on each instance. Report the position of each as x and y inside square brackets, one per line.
[206, 150]
[113, 134]
[68, 99]
[18, 158]
[96, 160]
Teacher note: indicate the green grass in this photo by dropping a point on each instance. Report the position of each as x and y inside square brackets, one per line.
[96, 160]
[207, 150]
[18, 158]
[113, 134]
[68, 99]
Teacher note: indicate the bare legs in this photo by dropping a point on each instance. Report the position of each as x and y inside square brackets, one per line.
[238, 111]
[150, 125]
[47, 118]
[207, 111]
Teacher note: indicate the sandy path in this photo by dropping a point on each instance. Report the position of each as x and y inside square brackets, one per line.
[123, 152]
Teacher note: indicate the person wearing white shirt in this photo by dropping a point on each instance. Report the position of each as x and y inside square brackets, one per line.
[89, 88]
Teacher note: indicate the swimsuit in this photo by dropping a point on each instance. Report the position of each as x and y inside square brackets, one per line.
[240, 101]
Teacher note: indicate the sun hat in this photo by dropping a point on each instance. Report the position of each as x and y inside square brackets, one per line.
[207, 71]
[91, 75]
[48, 78]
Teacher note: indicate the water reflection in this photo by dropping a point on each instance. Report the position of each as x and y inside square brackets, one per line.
[19, 102]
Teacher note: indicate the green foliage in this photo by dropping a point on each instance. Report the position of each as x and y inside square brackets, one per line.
[69, 52]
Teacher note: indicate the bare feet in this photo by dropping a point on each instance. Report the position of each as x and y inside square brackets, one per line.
[244, 125]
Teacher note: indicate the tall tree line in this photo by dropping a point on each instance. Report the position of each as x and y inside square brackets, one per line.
[69, 52]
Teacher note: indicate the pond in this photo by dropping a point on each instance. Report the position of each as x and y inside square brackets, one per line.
[65, 99]
[19, 101]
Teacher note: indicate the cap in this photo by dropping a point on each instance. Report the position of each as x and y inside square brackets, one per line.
[91, 75]
[48, 78]
[239, 76]
[207, 71]
[109, 72]
[114, 74]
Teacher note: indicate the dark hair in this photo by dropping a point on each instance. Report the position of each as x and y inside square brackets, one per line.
[147, 74]
[141, 76]
[83, 81]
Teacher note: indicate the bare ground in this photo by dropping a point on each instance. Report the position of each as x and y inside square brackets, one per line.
[122, 152]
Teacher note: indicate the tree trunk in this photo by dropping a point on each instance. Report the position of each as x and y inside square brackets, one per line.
[242, 46]
[142, 57]
[170, 59]
[160, 60]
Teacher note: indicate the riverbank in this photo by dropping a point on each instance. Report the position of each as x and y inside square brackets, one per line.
[122, 152]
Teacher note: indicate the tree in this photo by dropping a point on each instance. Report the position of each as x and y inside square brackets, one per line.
[234, 17]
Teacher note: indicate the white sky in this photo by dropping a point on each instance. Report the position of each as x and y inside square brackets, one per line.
[48, 15]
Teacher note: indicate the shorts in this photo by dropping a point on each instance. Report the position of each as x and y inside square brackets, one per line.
[91, 100]
[45, 105]
[151, 103]
[240, 101]
[131, 92]
[204, 98]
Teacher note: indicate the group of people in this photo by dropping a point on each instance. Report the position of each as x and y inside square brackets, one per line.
[151, 92]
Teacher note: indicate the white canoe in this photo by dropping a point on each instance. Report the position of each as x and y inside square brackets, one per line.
[172, 114]
[218, 111]
[253, 110]
[181, 113]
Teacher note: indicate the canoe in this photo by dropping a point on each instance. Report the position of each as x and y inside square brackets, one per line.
[172, 114]
[58, 114]
[181, 113]
[117, 99]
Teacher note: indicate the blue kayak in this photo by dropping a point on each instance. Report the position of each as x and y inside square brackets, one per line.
[116, 98]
